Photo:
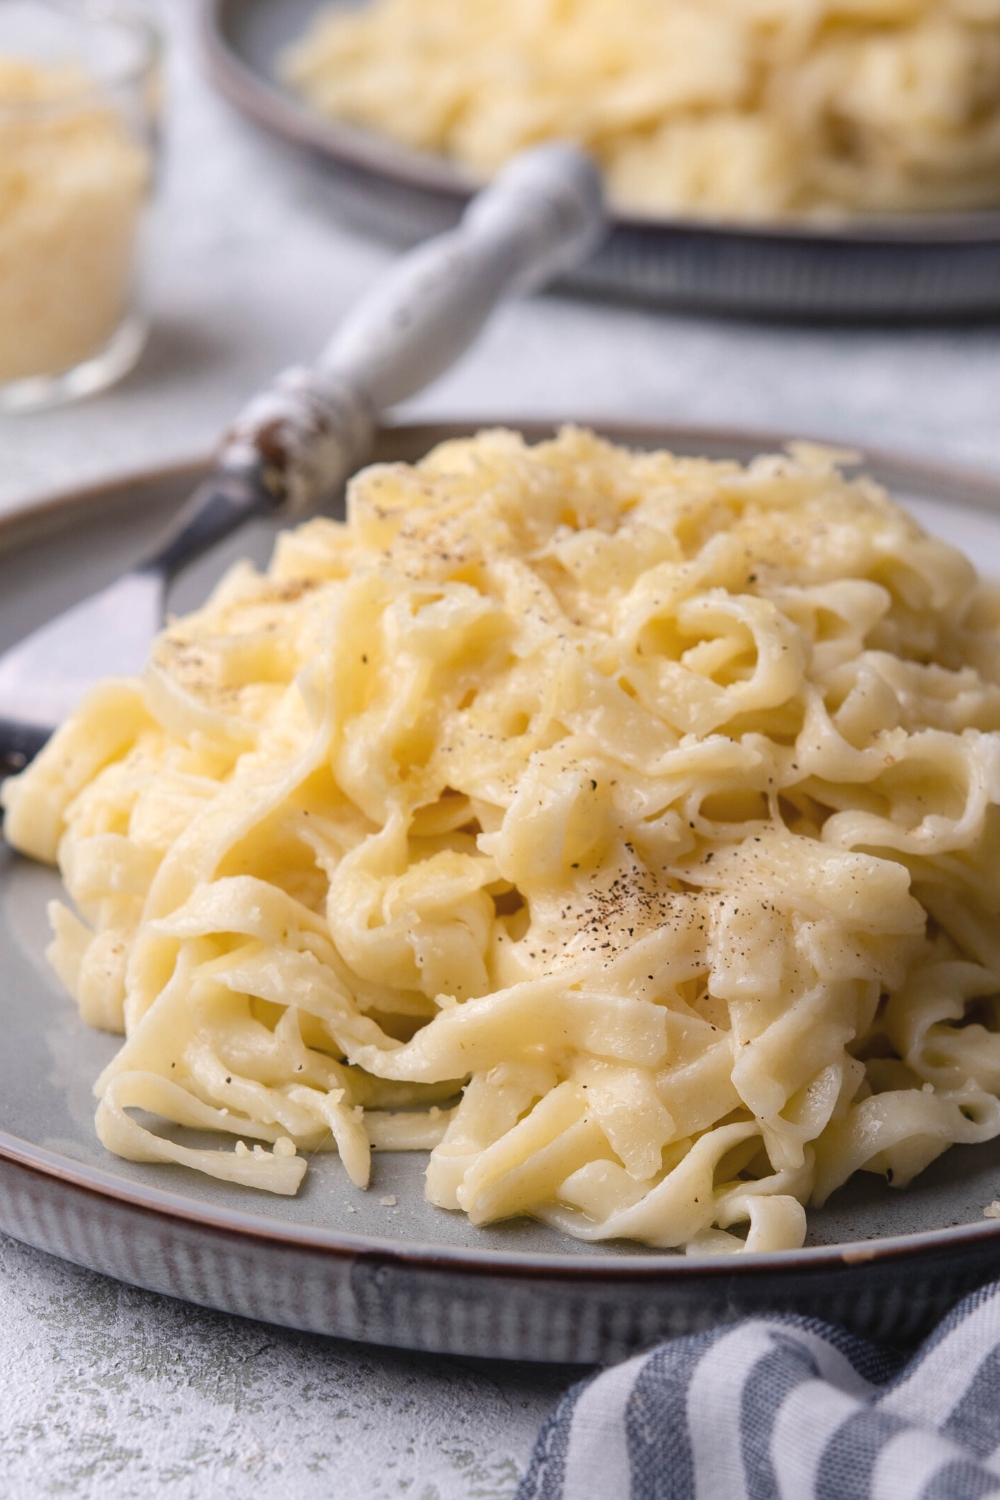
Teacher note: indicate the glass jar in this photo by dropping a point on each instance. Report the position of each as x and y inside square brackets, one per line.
[79, 100]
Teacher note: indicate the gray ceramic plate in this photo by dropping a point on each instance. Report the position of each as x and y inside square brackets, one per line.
[903, 267]
[335, 1260]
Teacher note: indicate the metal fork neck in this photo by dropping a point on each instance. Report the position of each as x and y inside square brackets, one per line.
[19, 743]
[218, 506]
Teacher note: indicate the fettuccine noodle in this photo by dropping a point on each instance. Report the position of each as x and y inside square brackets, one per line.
[732, 108]
[622, 828]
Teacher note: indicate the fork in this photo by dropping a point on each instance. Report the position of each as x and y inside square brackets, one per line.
[292, 447]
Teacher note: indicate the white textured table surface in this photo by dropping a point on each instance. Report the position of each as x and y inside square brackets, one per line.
[105, 1390]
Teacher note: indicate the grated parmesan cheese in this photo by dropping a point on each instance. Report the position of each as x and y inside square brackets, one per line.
[72, 183]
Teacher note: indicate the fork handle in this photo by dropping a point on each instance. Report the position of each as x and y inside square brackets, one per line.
[542, 214]
[293, 446]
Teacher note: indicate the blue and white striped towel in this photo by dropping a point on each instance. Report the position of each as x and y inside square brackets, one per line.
[785, 1408]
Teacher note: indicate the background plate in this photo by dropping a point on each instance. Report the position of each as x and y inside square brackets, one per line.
[336, 1260]
[937, 266]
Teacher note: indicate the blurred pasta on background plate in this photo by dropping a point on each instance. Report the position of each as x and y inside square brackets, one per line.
[743, 109]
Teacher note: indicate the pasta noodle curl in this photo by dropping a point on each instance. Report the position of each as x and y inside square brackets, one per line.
[645, 806]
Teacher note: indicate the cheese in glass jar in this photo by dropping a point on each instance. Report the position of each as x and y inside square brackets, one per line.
[79, 93]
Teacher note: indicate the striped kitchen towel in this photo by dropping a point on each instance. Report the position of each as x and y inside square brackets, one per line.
[785, 1408]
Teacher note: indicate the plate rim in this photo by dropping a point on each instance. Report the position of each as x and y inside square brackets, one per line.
[651, 1266]
[354, 146]
[30, 522]
[30, 519]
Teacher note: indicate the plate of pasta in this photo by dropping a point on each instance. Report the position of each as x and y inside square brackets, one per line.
[791, 159]
[551, 906]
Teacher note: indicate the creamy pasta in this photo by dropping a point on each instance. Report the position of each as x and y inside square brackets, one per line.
[738, 108]
[620, 828]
